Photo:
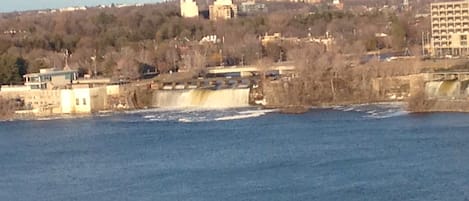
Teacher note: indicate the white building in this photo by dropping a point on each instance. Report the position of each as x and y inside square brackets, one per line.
[189, 8]
[84, 100]
[53, 91]
[450, 28]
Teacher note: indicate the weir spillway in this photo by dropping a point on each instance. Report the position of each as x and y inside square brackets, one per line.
[205, 93]
[447, 85]
[202, 98]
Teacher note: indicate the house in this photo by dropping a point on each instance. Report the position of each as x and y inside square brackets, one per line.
[50, 79]
[277, 37]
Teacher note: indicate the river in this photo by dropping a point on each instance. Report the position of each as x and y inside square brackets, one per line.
[368, 152]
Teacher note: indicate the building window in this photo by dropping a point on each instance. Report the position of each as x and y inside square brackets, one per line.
[46, 78]
[84, 101]
[77, 101]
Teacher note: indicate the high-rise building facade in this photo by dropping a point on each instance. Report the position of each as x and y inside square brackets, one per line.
[450, 28]
[189, 8]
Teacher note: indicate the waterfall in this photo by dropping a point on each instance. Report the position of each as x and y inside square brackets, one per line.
[443, 89]
[432, 88]
[202, 98]
[449, 88]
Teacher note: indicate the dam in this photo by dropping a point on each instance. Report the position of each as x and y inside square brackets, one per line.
[221, 87]
[447, 85]
[205, 93]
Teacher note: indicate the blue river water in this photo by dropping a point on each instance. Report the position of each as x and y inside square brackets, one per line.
[358, 153]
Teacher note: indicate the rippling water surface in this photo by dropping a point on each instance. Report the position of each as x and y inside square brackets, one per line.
[368, 152]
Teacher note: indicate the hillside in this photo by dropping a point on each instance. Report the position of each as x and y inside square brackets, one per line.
[130, 40]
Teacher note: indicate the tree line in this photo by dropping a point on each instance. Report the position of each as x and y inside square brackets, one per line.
[126, 41]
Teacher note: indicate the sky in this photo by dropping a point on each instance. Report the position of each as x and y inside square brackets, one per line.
[22, 5]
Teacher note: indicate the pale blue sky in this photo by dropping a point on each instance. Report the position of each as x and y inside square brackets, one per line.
[21, 5]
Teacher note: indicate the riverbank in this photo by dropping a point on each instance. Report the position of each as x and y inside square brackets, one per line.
[432, 105]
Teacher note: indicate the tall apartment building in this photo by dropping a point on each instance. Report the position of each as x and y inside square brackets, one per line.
[189, 8]
[450, 28]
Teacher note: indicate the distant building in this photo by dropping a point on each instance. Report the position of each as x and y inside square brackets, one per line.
[338, 4]
[277, 37]
[59, 92]
[189, 8]
[83, 100]
[251, 7]
[222, 10]
[326, 40]
[50, 78]
[210, 39]
[450, 28]
[71, 9]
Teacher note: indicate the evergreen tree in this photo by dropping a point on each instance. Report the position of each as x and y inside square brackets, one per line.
[12, 69]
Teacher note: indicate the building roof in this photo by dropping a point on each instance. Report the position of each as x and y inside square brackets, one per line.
[50, 72]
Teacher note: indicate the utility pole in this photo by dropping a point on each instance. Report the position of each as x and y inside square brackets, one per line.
[93, 58]
[423, 44]
[242, 60]
[221, 58]
[66, 55]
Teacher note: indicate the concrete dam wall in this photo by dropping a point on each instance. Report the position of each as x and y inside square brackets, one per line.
[202, 98]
